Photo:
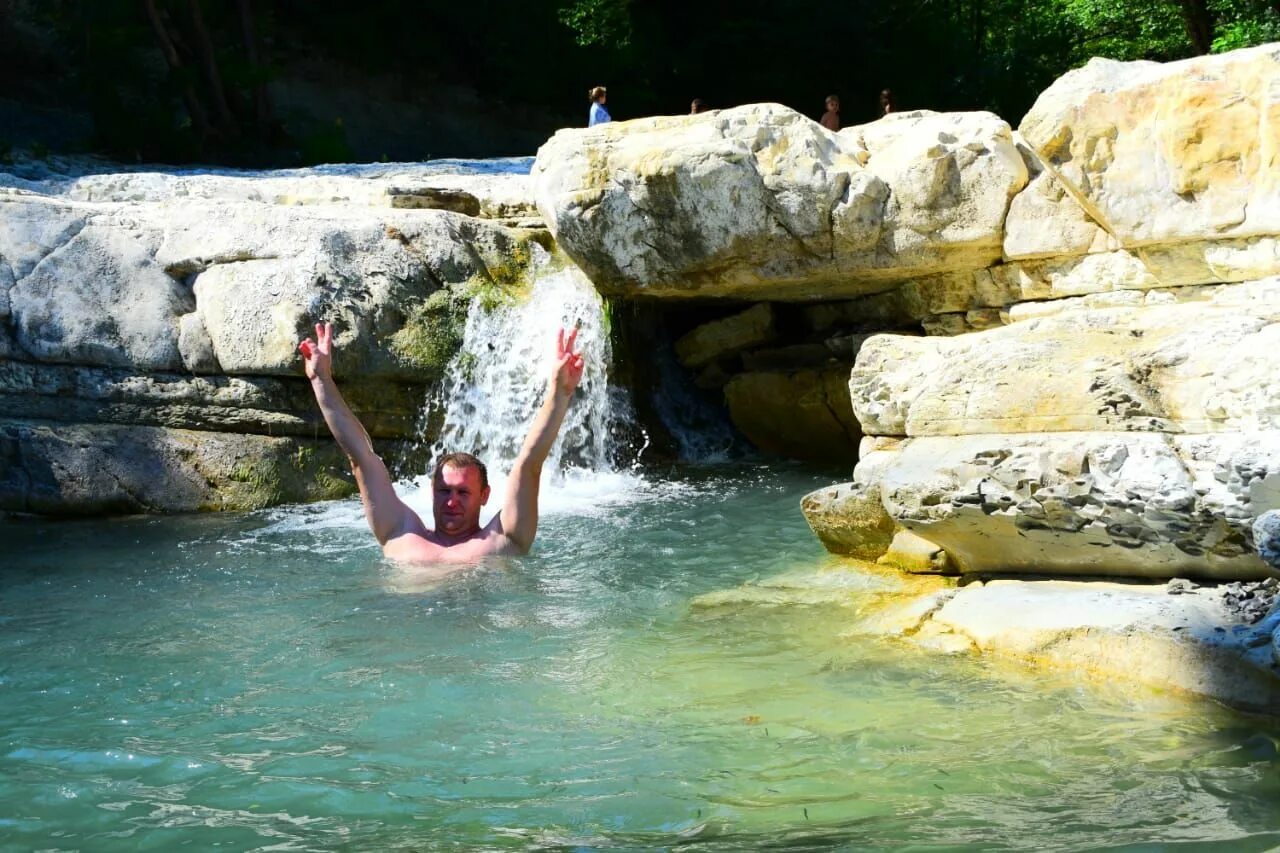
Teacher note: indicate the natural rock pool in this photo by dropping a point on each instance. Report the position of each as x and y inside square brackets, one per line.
[266, 681]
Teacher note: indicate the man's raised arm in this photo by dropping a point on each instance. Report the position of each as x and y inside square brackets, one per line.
[387, 514]
[519, 516]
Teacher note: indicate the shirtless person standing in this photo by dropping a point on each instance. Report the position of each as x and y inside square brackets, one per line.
[460, 483]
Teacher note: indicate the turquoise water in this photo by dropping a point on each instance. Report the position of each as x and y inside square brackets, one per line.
[266, 682]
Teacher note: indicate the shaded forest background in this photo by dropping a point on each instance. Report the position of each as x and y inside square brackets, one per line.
[291, 82]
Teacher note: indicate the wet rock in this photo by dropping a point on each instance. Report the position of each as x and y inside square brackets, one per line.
[849, 520]
[1266, 537]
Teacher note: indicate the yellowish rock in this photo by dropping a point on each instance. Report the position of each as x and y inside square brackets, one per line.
[849, 520]
[913, 553]
[802, 414]
[1166, 153]
[1196, 367]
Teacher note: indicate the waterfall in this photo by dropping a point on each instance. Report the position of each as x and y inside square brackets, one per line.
[495, 384]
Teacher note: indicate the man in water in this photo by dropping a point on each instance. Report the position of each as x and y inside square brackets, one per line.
[460, 483]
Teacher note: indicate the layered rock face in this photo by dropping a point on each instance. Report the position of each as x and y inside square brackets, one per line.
[1105, 400]
[149, 325]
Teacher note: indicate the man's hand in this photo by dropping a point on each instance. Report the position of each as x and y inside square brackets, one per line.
[567, 372]
[317, 355]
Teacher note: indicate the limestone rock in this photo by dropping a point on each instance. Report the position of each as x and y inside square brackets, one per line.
[1129, 504]
[101, 298]
[951, 177]
[435, 198]
[500, 195]
[1116, 632]
[728, 336]
[802, 414]
[913, 553]
[115, 289]
[760, 199]
[195, 346]
[1266, 537]
[849, 519]
[270, 405]
[1165, 153]
[1212, 261]
[107, 469]
[1193, 367]
[1045, 221]
[255, 276]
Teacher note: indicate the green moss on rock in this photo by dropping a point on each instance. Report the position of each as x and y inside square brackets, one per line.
[432, 333]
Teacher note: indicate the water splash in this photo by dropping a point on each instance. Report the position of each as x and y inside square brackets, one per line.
[494, 386]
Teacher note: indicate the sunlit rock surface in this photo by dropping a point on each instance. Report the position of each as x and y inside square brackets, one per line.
[759, 201]
[151, 314]
[1167, 153]
[1102, 401]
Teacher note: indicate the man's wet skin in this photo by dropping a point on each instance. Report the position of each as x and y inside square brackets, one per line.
[459, 486]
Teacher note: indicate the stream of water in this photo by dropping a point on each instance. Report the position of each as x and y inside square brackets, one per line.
[266, 681]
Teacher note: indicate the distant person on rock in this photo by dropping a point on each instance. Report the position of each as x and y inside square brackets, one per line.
[698, 106]
[886, 102]
[598, 113]
[460, 483]
[831, 118]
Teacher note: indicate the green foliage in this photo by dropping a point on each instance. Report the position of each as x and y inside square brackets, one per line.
[655, 57]
[1247, 28]
[606, 23]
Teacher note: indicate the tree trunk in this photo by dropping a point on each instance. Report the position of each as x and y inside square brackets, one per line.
[199, 117]
[261, 97]
[211, 73]
[1199, 23]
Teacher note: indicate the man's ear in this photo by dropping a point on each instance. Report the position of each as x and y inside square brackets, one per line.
[484, 496]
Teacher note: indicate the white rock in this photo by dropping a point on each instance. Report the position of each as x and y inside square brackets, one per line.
[1165, 153]
[1205, 366]
[1128, 504]
[1045, 221]
[760, 199]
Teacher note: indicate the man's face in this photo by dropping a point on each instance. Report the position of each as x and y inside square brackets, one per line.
[458, 498]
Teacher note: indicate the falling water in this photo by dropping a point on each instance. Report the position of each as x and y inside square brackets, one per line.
[495, 385]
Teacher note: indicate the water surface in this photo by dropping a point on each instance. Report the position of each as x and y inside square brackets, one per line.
[267, 681]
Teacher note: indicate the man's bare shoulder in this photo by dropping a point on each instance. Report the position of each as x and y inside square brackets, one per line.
[425, 547]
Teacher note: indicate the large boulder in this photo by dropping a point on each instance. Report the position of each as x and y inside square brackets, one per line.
[759, 200]
[1190, 367]
[1166, 153]
[97, 469]
[1138, 438]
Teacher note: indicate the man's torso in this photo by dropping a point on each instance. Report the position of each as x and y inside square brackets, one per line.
[418, 547]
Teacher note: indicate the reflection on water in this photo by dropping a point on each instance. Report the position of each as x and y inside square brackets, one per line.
[268, 681]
